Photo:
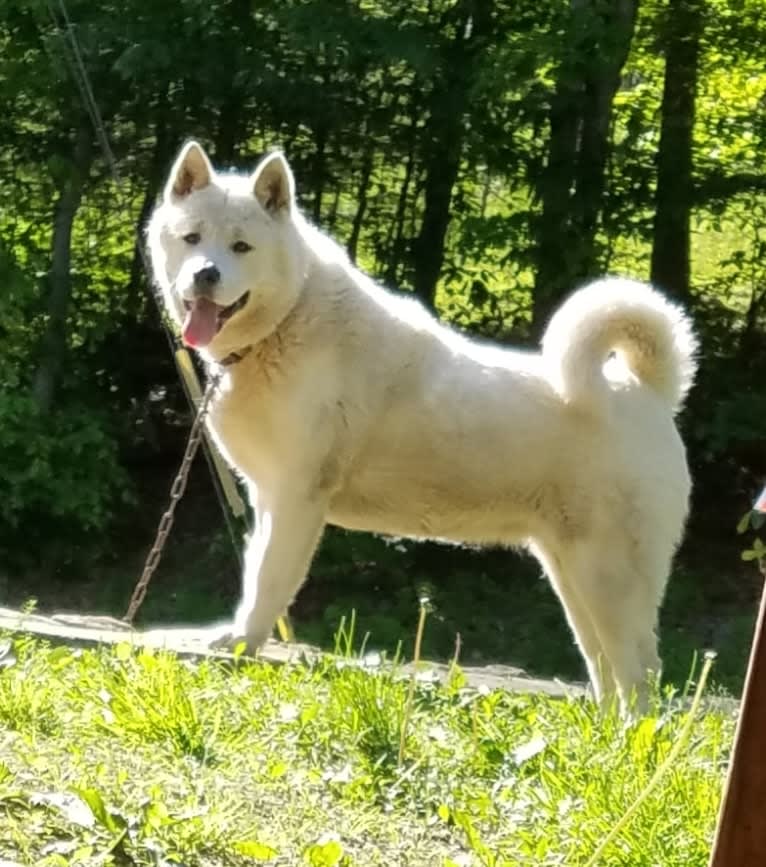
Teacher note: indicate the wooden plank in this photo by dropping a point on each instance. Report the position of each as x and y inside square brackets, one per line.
[92, 630]
[88, 630]
[740, 839]
[194, 390]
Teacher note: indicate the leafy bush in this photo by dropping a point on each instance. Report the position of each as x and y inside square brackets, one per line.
[755, 520]
[60, 476]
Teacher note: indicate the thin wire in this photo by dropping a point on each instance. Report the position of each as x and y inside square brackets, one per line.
[71, 66]
[91, 104]
[80, 74]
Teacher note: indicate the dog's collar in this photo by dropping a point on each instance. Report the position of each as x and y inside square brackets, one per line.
[235, 357]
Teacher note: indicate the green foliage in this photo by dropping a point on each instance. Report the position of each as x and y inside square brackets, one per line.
[166, 709]
[754, 520]
[60, 473]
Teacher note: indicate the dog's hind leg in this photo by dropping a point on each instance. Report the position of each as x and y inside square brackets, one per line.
[579, 619]
[287, 531]
[621, 588]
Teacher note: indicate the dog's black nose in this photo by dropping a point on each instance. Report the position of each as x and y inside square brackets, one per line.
[206, 277]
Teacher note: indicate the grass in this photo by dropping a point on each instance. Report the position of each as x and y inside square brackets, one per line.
[128, 757]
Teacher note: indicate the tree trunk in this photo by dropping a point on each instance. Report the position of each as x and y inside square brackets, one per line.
[234, 113]
[395, 253]
[600, 89]
[572, 185]
[230, 129]
[332, 216]
[318, 172]
[443, 135]
[231, 126]
[750, 339]
[58, 279]
[159, 165]
[555, 239]
[361, 208]
[442, 166]
[675, 187]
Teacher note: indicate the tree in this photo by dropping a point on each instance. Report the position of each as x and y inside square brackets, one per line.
[674, 199]
[470, 26]
[597, 40]
[74, 175]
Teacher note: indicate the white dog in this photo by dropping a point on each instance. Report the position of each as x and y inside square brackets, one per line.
[344, 403]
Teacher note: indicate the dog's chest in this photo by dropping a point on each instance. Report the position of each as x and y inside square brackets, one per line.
[249, 432]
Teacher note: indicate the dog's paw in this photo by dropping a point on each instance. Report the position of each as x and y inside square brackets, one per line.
[228, 637]
[223, 636]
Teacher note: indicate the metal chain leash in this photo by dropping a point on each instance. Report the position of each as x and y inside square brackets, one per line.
[176, 492]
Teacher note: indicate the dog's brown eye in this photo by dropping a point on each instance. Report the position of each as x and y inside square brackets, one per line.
[192, 238]
[241, 247]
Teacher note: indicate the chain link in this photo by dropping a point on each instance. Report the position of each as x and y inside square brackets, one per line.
[176, 492]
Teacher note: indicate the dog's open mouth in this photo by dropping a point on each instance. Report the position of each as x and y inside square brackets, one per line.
[204, 319]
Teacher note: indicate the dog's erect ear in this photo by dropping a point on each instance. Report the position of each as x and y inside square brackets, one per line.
[191, 171]
[273, 184]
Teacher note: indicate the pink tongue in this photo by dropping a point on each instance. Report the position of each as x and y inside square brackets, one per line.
[201, 323]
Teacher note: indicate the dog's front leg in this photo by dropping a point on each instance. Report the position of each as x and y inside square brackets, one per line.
[287, 529]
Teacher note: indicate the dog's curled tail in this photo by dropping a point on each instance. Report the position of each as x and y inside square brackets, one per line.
[653, 338]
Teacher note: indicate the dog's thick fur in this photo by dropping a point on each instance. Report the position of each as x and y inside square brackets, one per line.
[354, 406]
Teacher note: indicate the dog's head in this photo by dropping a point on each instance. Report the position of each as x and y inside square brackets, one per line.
[226, 251]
